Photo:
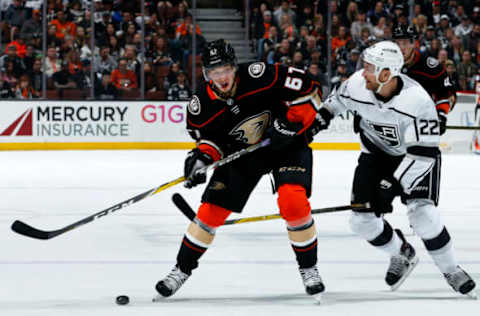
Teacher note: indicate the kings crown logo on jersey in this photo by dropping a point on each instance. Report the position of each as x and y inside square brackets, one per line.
[388, 133]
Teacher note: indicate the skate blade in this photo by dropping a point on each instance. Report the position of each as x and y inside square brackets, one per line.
[158, 298]
[413, 264]
[473, 295]
[318, 298]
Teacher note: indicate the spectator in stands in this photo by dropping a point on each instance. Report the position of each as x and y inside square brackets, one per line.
[15, 16]
[187, 44]
[104, 62]
[350, 14]
[52, 39]
[180, 91]
[6, 91]
[115, 49]
[74, 63]
[64, 27]
[297, 60]
[452, 74]
[353, 60]
[30, 57]
[24, 89]
[436, 13]
[133, 62]
[35, 74]
[427, 39]
[470, 41]
[17, 62]
[82, 76]
[305, 17]
[270, 43]
[63, 80]
[376, 13]
[105, 89]
[442, 56]
[262, 25]
[282, 50]
[52, 64]
[340, 41]
[161, 56]
[9, 74]
[466, 70]
[287, 28]
[19, 43]
[124, 78]
[32, 26]
[284, 9]
[150, 78]
[464, 28]
[172, 76]
[359, 24]
[183, 29]
[379, 29]
[456, 49]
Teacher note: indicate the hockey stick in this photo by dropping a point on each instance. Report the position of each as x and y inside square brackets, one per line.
[474, 128]
[183, 206]
[29, 231]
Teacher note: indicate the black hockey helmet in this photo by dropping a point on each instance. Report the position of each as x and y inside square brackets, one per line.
[403, 31]
[218, 53]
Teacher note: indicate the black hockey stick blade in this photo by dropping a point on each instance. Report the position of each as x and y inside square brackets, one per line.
[29, 231]
[183, 206]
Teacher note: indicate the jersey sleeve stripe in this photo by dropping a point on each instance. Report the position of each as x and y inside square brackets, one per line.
[261, 89]
[208, 121]
[428, 75]
[414, 122]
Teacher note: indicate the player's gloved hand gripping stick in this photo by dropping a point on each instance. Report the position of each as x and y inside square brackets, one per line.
[29, 231]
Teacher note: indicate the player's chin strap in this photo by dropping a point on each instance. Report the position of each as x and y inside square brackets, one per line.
[380, 84]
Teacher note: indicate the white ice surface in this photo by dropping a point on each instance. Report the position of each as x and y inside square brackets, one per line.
[250, 269]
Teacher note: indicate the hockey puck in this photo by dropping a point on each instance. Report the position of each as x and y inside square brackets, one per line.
[122, 300]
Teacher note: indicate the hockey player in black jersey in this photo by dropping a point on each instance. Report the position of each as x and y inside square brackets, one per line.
[238, 106]
[431, 75]
[399, 135]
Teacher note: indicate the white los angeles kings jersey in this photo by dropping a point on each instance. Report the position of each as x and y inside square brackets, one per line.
[407, 124]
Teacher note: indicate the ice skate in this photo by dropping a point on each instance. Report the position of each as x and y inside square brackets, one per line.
[313, 282]
[461, 282]
[170, 284]
[401, 265]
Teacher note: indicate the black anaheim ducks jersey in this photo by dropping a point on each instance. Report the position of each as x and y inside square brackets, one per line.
[433, 77]
[263, 92]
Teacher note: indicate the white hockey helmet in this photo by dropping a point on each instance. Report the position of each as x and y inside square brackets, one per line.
[384, 55]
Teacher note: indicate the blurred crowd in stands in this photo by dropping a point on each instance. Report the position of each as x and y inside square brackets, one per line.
[292, 32]
[116, 57]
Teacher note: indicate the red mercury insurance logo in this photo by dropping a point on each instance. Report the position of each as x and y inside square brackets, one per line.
[22, 126]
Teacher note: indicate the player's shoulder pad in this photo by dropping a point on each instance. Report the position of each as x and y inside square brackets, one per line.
[414, 98]
[202, 107]
[257, 70]
[431, 65]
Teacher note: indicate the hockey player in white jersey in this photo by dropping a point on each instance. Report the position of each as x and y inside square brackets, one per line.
[399, 133]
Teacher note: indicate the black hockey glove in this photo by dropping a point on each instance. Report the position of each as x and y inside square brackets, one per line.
[356, 123]
[442, 117]
[322, 121]
[282, 133]
[387, 190]
[195, 161]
